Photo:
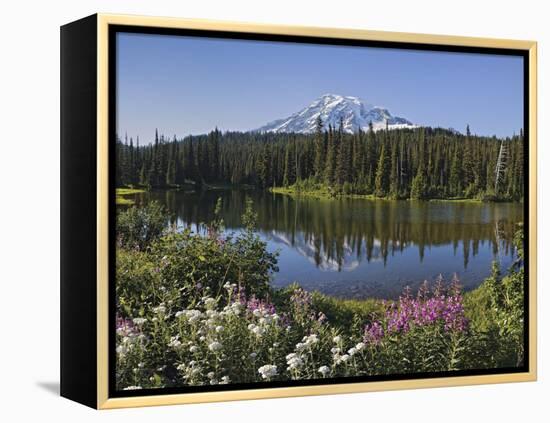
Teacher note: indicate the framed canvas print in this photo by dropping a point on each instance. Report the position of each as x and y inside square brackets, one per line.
[254, 211]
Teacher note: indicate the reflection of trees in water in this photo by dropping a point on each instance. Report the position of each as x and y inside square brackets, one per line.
[332, 229]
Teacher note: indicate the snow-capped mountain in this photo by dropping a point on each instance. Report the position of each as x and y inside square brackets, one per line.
[355, 113]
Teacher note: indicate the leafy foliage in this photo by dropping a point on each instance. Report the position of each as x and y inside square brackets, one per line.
[416, 163]
[197, 309]
[137, 227]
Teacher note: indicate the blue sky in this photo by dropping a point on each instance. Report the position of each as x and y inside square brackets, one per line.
[187, 85]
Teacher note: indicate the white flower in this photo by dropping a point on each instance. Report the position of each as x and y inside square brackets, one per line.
[337, 339]
[174, 342]
[268, 371]
[225, 380]
[211, 313]
[210, 302]
[202, 338]
[215, 346]
[352, 351]
[161, 309]
[131, 388]
[236, 307]
[335, 350]
[258, 331]
[121, 350]
[193, 315]
[253, 355]
[194, 349]
[324, 370]
[210, 375]
[181, 367]
[311, 339]
[344, 358]
[300, 346]
[257, 312]
[294, 361]
[139, 321]
[360, 346]
[219, 329]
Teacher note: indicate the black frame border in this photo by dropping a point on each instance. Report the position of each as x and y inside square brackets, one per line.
[113, 30]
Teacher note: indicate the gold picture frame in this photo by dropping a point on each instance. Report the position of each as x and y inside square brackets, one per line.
[102, 22]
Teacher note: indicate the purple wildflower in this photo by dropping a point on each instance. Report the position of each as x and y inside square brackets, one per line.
[441, 306]
[301, 298]
[373, 333]
[125, 327]
[263, 305]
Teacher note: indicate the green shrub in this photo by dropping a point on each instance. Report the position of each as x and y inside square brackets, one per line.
[198, 309]
[137, 227]
[181, 267]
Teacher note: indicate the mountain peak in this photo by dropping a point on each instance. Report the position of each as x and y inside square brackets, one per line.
[354, 112]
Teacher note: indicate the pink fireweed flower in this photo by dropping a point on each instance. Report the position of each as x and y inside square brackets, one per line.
[301, 298]
[441, 306]
[125, 327]
[373, 333]
[263, 306]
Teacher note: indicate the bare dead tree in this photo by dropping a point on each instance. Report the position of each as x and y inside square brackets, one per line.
[502, 161]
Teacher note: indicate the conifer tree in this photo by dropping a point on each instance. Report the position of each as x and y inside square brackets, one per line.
[455, 178]
[319, 164]
[343, 157]
[330, 165]
[382, 181]
[394, 175]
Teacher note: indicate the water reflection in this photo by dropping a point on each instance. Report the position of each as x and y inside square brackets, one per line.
[357, 247]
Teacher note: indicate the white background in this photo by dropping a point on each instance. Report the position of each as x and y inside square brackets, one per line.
[29, 212]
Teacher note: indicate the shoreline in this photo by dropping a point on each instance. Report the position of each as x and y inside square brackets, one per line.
[324, 195]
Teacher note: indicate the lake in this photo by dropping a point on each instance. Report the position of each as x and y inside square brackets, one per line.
[360, 248]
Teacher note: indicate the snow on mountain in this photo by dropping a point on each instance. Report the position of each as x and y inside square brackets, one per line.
[355, 113]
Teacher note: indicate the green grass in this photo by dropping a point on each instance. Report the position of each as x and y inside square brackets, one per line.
[322, 193]
[222, 187]
[348, 314]
[477, 307]
[129, 191]
[326, 193]
[120, 200]
[457, 200]
[345, 311]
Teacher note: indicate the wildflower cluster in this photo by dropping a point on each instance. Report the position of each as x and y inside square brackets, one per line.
[441, 307]
[232, 339]
[194, 310]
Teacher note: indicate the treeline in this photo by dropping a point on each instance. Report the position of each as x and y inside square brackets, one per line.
[416, 163]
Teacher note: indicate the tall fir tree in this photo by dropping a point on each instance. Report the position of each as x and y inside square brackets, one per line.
[382, 181]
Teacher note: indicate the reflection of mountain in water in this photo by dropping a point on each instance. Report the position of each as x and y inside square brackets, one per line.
[342, 243]
[317, 256]
[334, 233]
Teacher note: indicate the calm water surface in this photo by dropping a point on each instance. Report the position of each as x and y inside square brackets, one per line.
[357, 248]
